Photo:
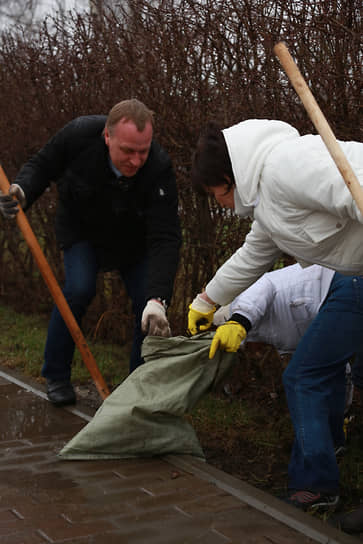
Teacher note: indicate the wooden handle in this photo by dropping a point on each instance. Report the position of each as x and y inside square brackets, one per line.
[320, 123]
[57, 294]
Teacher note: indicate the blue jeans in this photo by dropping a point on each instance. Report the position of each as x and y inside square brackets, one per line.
[81, 269]
[314, 383]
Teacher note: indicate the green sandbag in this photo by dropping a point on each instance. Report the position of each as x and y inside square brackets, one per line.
[144, 416]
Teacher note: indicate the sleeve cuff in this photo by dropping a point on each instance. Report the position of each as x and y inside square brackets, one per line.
[242, 320]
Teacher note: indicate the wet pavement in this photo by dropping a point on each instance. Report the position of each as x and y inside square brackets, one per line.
[170, 500]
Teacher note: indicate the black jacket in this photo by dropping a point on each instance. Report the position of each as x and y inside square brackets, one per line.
[125, 221]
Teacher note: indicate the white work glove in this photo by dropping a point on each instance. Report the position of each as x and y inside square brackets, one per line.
[9, 205]
[154, 321]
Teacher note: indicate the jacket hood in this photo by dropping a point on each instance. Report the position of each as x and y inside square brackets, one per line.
[249, 143]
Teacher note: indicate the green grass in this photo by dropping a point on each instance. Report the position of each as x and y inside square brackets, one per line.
[22, 344]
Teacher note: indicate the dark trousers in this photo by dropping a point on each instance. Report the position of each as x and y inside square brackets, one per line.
[314, 383]
[81, 269]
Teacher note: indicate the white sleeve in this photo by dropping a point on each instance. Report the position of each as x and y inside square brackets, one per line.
[247, 264]
[256, 301]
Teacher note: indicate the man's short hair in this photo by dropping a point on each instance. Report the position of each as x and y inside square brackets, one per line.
[130, 110]
[211, 161]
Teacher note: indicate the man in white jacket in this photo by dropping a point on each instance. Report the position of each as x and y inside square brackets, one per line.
[301, 206]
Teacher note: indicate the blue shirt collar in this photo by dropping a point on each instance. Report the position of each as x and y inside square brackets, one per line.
[117, 173]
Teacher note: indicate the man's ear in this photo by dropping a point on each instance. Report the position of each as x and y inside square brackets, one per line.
[107, 136]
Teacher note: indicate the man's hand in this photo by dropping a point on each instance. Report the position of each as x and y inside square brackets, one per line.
[8, 204]
[154, 321]
[200, 316]
[228, 337]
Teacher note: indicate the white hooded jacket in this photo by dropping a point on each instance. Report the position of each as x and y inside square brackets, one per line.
[301, 205]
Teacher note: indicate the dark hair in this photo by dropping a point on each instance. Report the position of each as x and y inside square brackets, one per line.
[211, 162]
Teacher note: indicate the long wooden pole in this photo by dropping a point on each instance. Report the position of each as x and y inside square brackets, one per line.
[57, 294]
[320, 122]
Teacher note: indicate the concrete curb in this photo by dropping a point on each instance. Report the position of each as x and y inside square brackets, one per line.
[272, 506]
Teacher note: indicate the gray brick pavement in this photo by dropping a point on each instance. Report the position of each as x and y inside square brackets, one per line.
[134, 501]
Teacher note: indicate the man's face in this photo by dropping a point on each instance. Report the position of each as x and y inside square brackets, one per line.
[128, 147]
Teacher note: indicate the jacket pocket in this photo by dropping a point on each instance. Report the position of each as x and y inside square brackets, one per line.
[301, 313]
[319, 226]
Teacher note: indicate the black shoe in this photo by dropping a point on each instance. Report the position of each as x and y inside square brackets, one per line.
[352, 522]
[60, 392]
[312, 501]
[340, 451]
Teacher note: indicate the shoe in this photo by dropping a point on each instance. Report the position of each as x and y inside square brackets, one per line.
[340, 451]
[307, 500]
[60, 392]
[352, 522]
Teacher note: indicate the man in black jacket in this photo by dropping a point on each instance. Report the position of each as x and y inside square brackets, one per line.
[117, 209]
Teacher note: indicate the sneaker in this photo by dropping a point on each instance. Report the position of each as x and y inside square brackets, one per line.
[308, 500]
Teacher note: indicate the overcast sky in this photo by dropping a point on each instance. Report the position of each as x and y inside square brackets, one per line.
[48, 6]
[18, 12]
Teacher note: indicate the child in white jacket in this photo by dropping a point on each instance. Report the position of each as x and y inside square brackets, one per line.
[279, 307]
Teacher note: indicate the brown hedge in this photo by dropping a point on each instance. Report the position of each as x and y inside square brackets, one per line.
[190, 61]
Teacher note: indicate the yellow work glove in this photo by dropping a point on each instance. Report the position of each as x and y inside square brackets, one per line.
[200, 316]
[228, 337]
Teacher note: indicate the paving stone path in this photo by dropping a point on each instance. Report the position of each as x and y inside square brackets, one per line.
[172, 500]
